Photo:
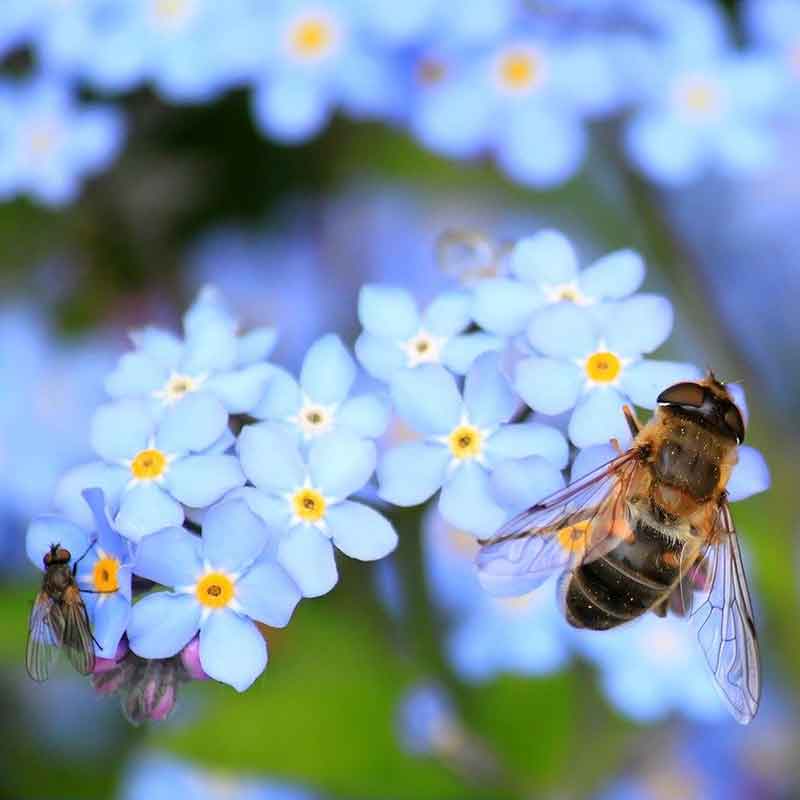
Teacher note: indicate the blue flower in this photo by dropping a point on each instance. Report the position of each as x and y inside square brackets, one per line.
[220, 583]
[396, 335]
[594, 363]
[49, 143]
[319, 403]
[304, 499]
[426, 720]
[103, 563]
[705, 113]
[486, 469]
[211, 362]
[544, 270]
[151, 468]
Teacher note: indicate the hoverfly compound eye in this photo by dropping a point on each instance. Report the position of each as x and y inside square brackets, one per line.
[733, 419]
[682, 394]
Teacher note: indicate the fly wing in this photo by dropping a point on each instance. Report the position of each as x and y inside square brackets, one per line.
[581, 522]
[78, 639]
[723, 618]
[45, 636]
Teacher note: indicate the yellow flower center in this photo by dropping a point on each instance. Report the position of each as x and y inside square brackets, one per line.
[41, 140]
[603, 367]
[466, 441]
[573, 537]
[309, 505]
[104, 575]
[172, 13]
[214, 590]
[700, 97]
[149, 464]
[520, 70]
[311, 37]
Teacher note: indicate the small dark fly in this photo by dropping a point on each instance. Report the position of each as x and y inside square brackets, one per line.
[59, 619]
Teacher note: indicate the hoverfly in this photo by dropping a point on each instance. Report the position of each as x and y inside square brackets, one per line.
[59, 619]
[651, 530]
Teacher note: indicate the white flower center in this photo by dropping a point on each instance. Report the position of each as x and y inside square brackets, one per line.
[177, 386]
[566, 293]
[423, 348]
[698, 97]
[314, 419]
[172, 14]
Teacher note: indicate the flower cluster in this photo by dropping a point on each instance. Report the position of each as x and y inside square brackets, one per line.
[224, 485]
[524, 84]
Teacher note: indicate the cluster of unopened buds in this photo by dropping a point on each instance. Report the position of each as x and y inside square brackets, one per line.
[223, 485]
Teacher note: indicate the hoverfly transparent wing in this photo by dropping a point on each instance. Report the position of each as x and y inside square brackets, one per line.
[78, 640]
[579, 523]
[723, 619]
[45, 636]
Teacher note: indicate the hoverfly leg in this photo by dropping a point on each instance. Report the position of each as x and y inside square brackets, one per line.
[633, 423]
[78, 560]
[614, 442]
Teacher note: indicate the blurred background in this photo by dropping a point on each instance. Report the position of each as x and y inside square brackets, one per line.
[291, 151]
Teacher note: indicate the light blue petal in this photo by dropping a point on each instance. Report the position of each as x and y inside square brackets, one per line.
[598, 418]
[644, 380]
[638, 325]
[107, 538]
[307, 555]
[504, 306]
[69, 492]
[467, 501]
[563, 330]
[256, 345]
[547, 385]
[194, 423]
[448, 314]
[145, 509]
[388, 312]
[49, 529]
[521, 483]
[746, 147]
[750, 475]
[529, 439]
[340, 463]
[272, 510]
[737, 395]
[488, 397]
[281, 398]
[162, 346]
[270, 458]
[111, 617]
[614, 276]
[232, 650]
[240, 391]
[361, 532]
[590, 459]
[367, 415]
[410, 473]
[233, 536]
[328, 371]
[121, 429]
[290, 110]
[136, 374]
[211, 347]
[171, 557]
[544, 259]
[162, 624]
[266, 593]
[427, 398]
[459, 352]
[380, 357]
[199, 481]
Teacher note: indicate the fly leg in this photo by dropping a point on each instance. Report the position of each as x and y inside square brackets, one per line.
[633, 423]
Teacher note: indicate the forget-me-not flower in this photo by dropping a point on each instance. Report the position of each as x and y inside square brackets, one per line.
[544, 270]
[103, 562]
[319, 403]
[304, 500]
[222, 583]
[469, 451]
[427, 722]
[152, 467]
[594, 364]
[396, 335]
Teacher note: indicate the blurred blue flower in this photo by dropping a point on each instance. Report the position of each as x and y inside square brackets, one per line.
[304, 500]
[152, 467]
[426, 720]
[221, 583]
[49, 143]
[705, 113]
[544, 270]
[486, 469]
[320, 402]
[593, 362]
[102, 559]
[212, 362]
[396, 335]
